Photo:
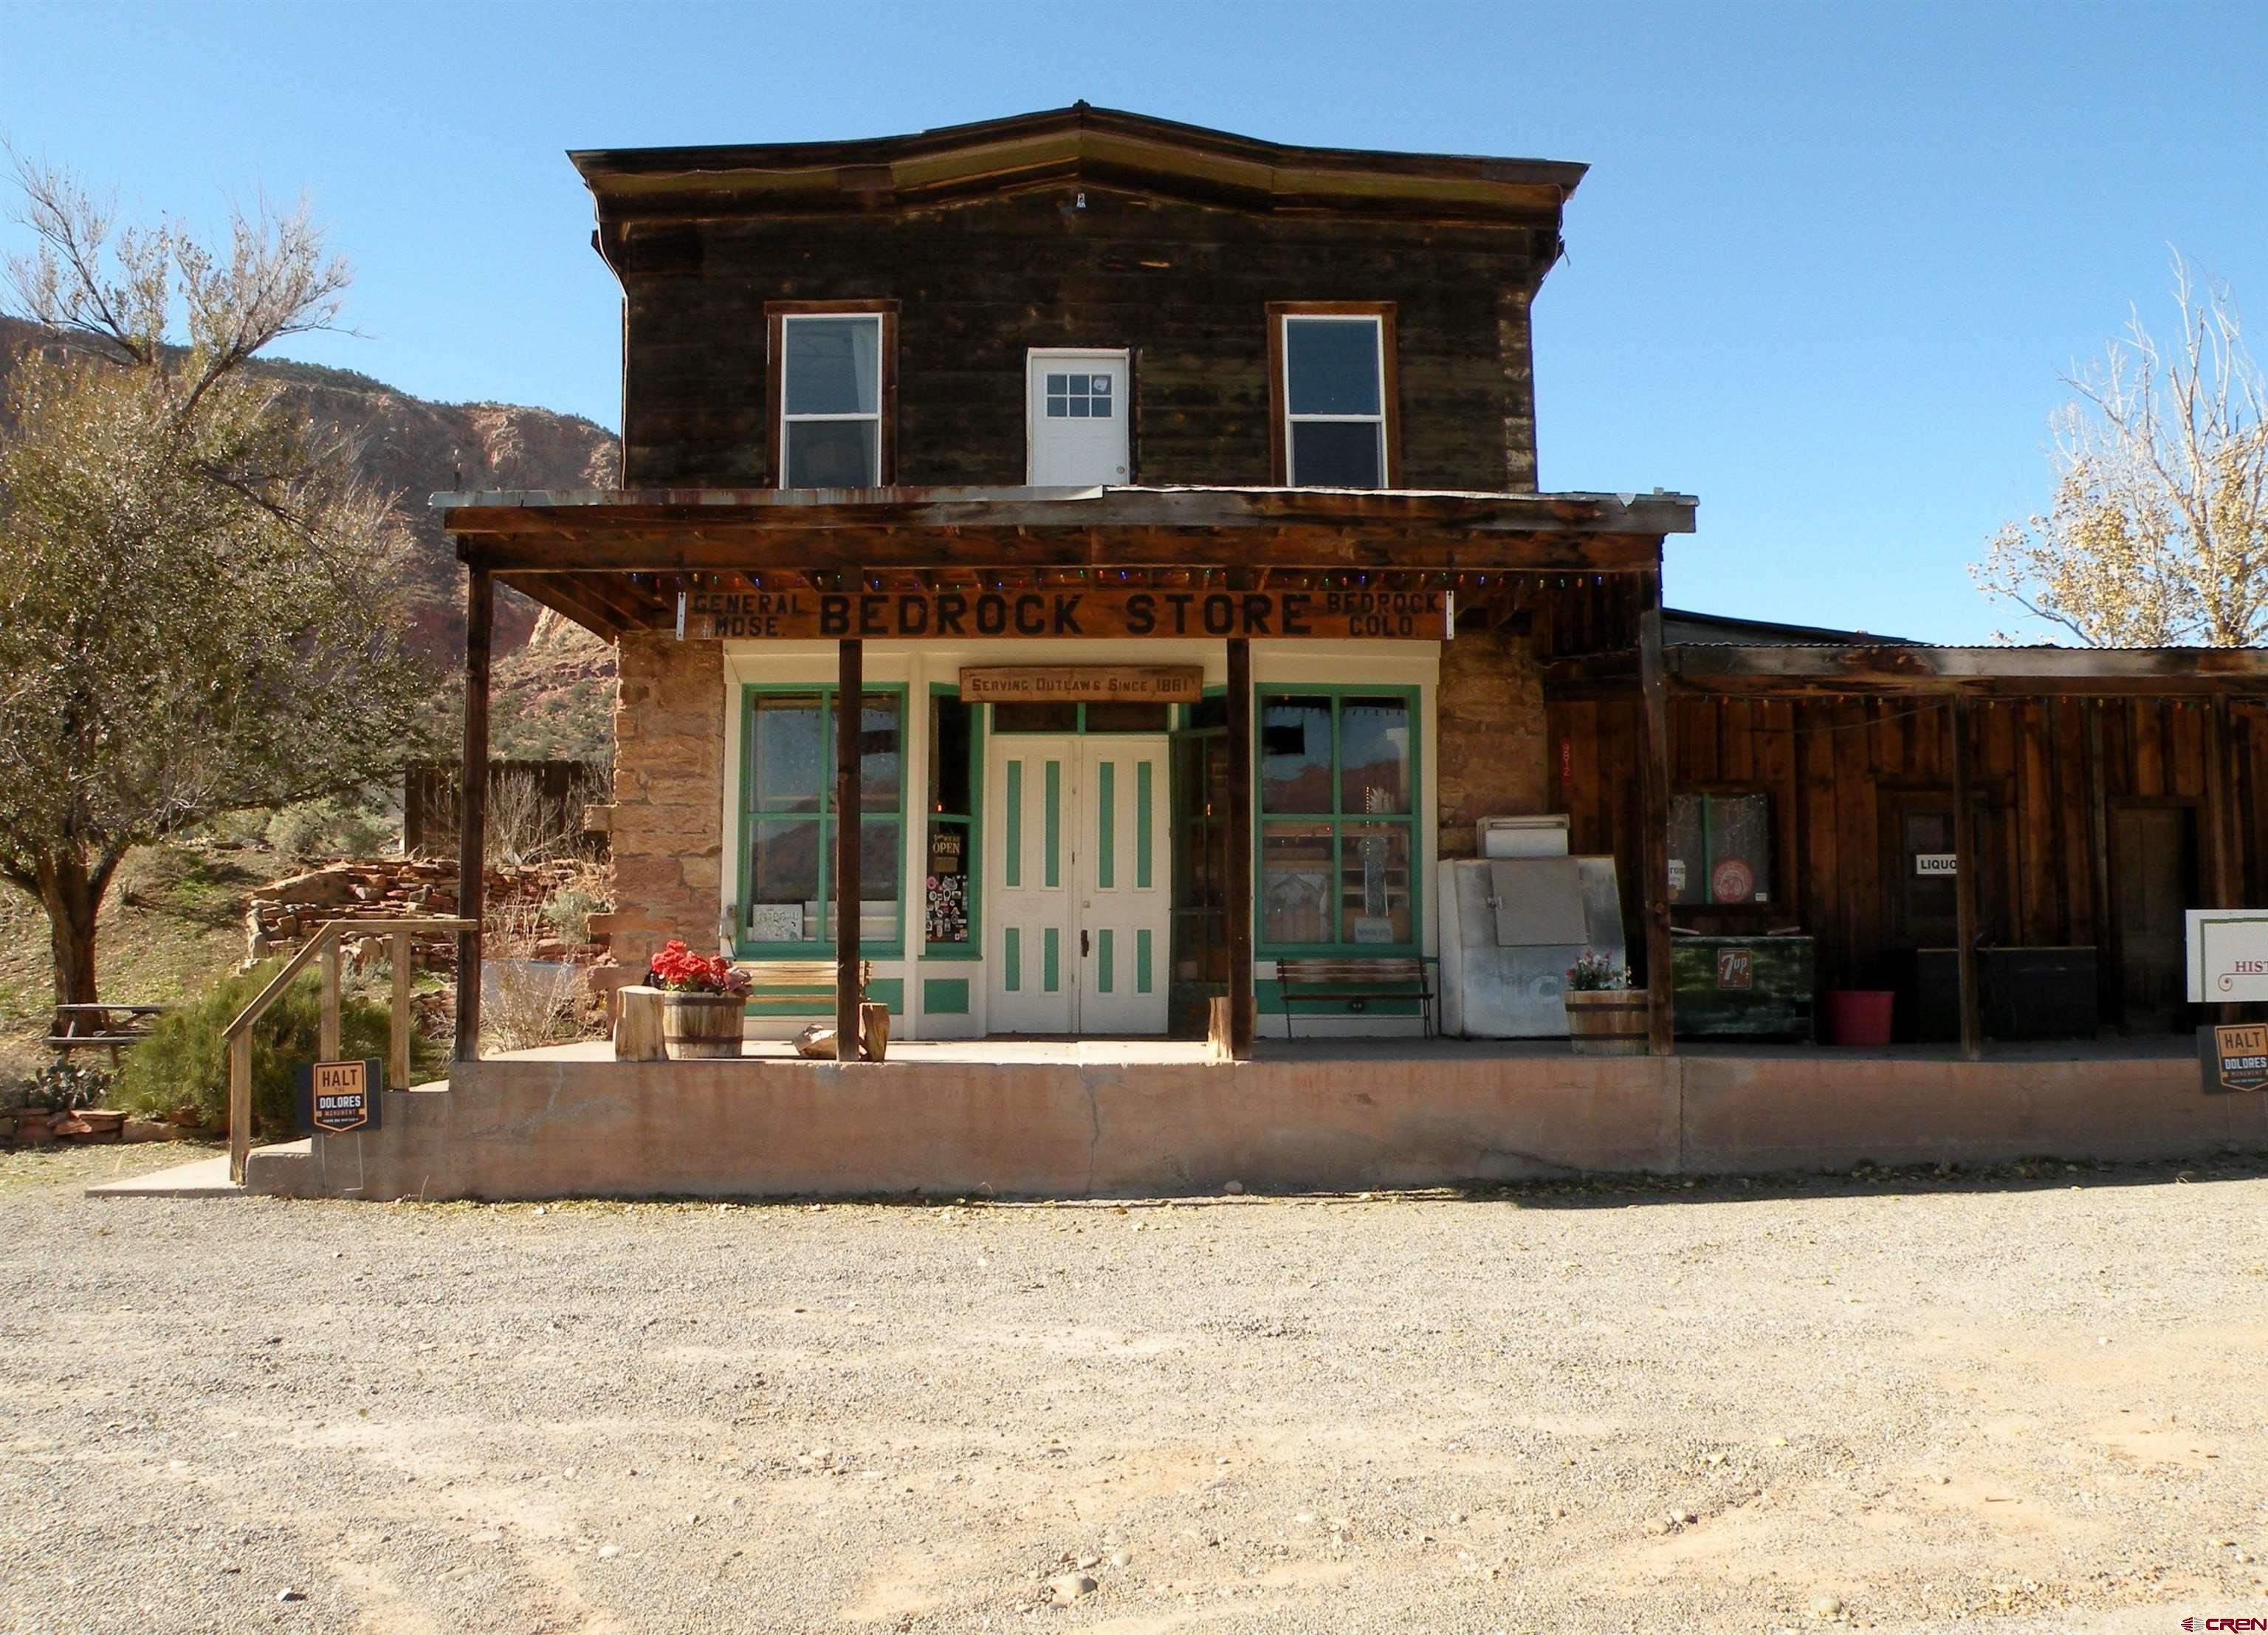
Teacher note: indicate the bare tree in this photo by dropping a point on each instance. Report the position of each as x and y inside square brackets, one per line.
[198, 601]
[2158, 532]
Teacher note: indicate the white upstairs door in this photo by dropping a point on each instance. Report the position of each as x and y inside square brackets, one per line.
[1077, 414]
[1121, 865]
[1031, 962]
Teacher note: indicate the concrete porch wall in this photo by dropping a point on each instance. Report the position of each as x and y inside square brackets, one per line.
[545, 1129]
[561, 1127]
[1760, 1113]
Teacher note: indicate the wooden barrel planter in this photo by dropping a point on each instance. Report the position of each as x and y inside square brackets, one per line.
[1607, 1021]
[702, 1026]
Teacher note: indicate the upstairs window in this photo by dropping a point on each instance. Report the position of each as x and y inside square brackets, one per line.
[835, 377]
[1333, 390]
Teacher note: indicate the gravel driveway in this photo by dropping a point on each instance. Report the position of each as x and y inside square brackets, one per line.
[2019, 1402]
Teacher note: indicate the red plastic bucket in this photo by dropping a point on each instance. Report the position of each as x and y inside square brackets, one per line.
[1860, 1015]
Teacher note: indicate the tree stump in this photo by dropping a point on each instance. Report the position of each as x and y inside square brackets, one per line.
[874, 1032]
[1217, 1029]
[638, 1026]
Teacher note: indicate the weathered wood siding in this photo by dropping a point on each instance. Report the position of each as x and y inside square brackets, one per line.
[1832, 765]
[1184, 285]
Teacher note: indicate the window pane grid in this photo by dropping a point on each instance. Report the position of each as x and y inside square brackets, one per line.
[1334, 872]
[830, 400]
[1077, 396]
[1334, 400]
[788, 895]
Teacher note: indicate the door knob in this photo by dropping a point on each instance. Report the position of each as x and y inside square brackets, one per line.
[1082, 945]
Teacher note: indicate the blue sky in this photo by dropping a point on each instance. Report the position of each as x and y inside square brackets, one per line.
[1828, 265]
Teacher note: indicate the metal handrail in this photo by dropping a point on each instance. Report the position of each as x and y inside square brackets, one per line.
[324, 944]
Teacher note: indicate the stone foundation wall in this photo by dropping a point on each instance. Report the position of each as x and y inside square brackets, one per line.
[1494, 750]
[374, 891]
[665, 825]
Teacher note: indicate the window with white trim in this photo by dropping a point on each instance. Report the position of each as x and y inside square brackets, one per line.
[831, 400]
[1334, 396]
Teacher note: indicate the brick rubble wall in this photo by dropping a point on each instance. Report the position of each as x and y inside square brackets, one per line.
[1493, 745]
[666, 829]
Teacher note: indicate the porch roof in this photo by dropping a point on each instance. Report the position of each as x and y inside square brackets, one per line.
[1865, 668]
[598, 555]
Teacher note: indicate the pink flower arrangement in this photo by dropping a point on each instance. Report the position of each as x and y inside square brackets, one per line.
[1594, 972]
[678, 969]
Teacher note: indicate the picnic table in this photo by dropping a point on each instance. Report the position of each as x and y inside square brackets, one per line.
[112, 1027]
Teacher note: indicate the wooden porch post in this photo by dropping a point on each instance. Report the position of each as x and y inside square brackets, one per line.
[1964, 885]
[1654, 818]
[473, 809]
[2110, 1004]
[1237, 883]
[850, 716]
[2222, 834]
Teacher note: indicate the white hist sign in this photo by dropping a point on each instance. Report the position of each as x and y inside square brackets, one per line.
[2227, 956]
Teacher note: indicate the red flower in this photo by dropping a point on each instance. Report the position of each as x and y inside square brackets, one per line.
[680, 970]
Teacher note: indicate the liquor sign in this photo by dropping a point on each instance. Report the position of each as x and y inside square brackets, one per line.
[1931, 864]
[2234, 1058]
[1067, 612]
[337, 1097]
[2227, 956]
[1085, 683]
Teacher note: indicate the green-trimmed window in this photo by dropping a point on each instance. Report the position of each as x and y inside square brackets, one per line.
[1338, 819]
[955, 761]
[787, 783]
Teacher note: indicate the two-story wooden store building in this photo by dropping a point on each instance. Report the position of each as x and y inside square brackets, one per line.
[1166, 500]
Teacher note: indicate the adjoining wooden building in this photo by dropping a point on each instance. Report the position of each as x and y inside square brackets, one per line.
[1168, 500]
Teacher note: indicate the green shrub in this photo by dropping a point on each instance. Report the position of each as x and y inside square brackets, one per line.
[237, 827]
[335, 826]
[566, 910]
[184, 1062]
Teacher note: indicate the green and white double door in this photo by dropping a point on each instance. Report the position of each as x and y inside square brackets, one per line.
[1076, 886]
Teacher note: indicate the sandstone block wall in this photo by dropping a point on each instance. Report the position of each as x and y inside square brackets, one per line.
[1493, 747]
[667, 826]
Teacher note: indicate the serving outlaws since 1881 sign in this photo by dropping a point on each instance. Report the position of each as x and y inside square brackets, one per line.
[1068, 611]
[1088, 683]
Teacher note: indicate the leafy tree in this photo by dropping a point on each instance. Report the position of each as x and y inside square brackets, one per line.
[2158, 532]
[197, 602]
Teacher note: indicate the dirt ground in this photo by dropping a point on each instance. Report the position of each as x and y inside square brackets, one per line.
[2022, 1401]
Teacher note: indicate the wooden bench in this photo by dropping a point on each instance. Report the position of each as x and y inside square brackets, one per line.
[112, 1027]
[1379, 977]
[790, 979]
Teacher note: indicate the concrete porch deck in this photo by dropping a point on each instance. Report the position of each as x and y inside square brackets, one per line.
[1104, 1117]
